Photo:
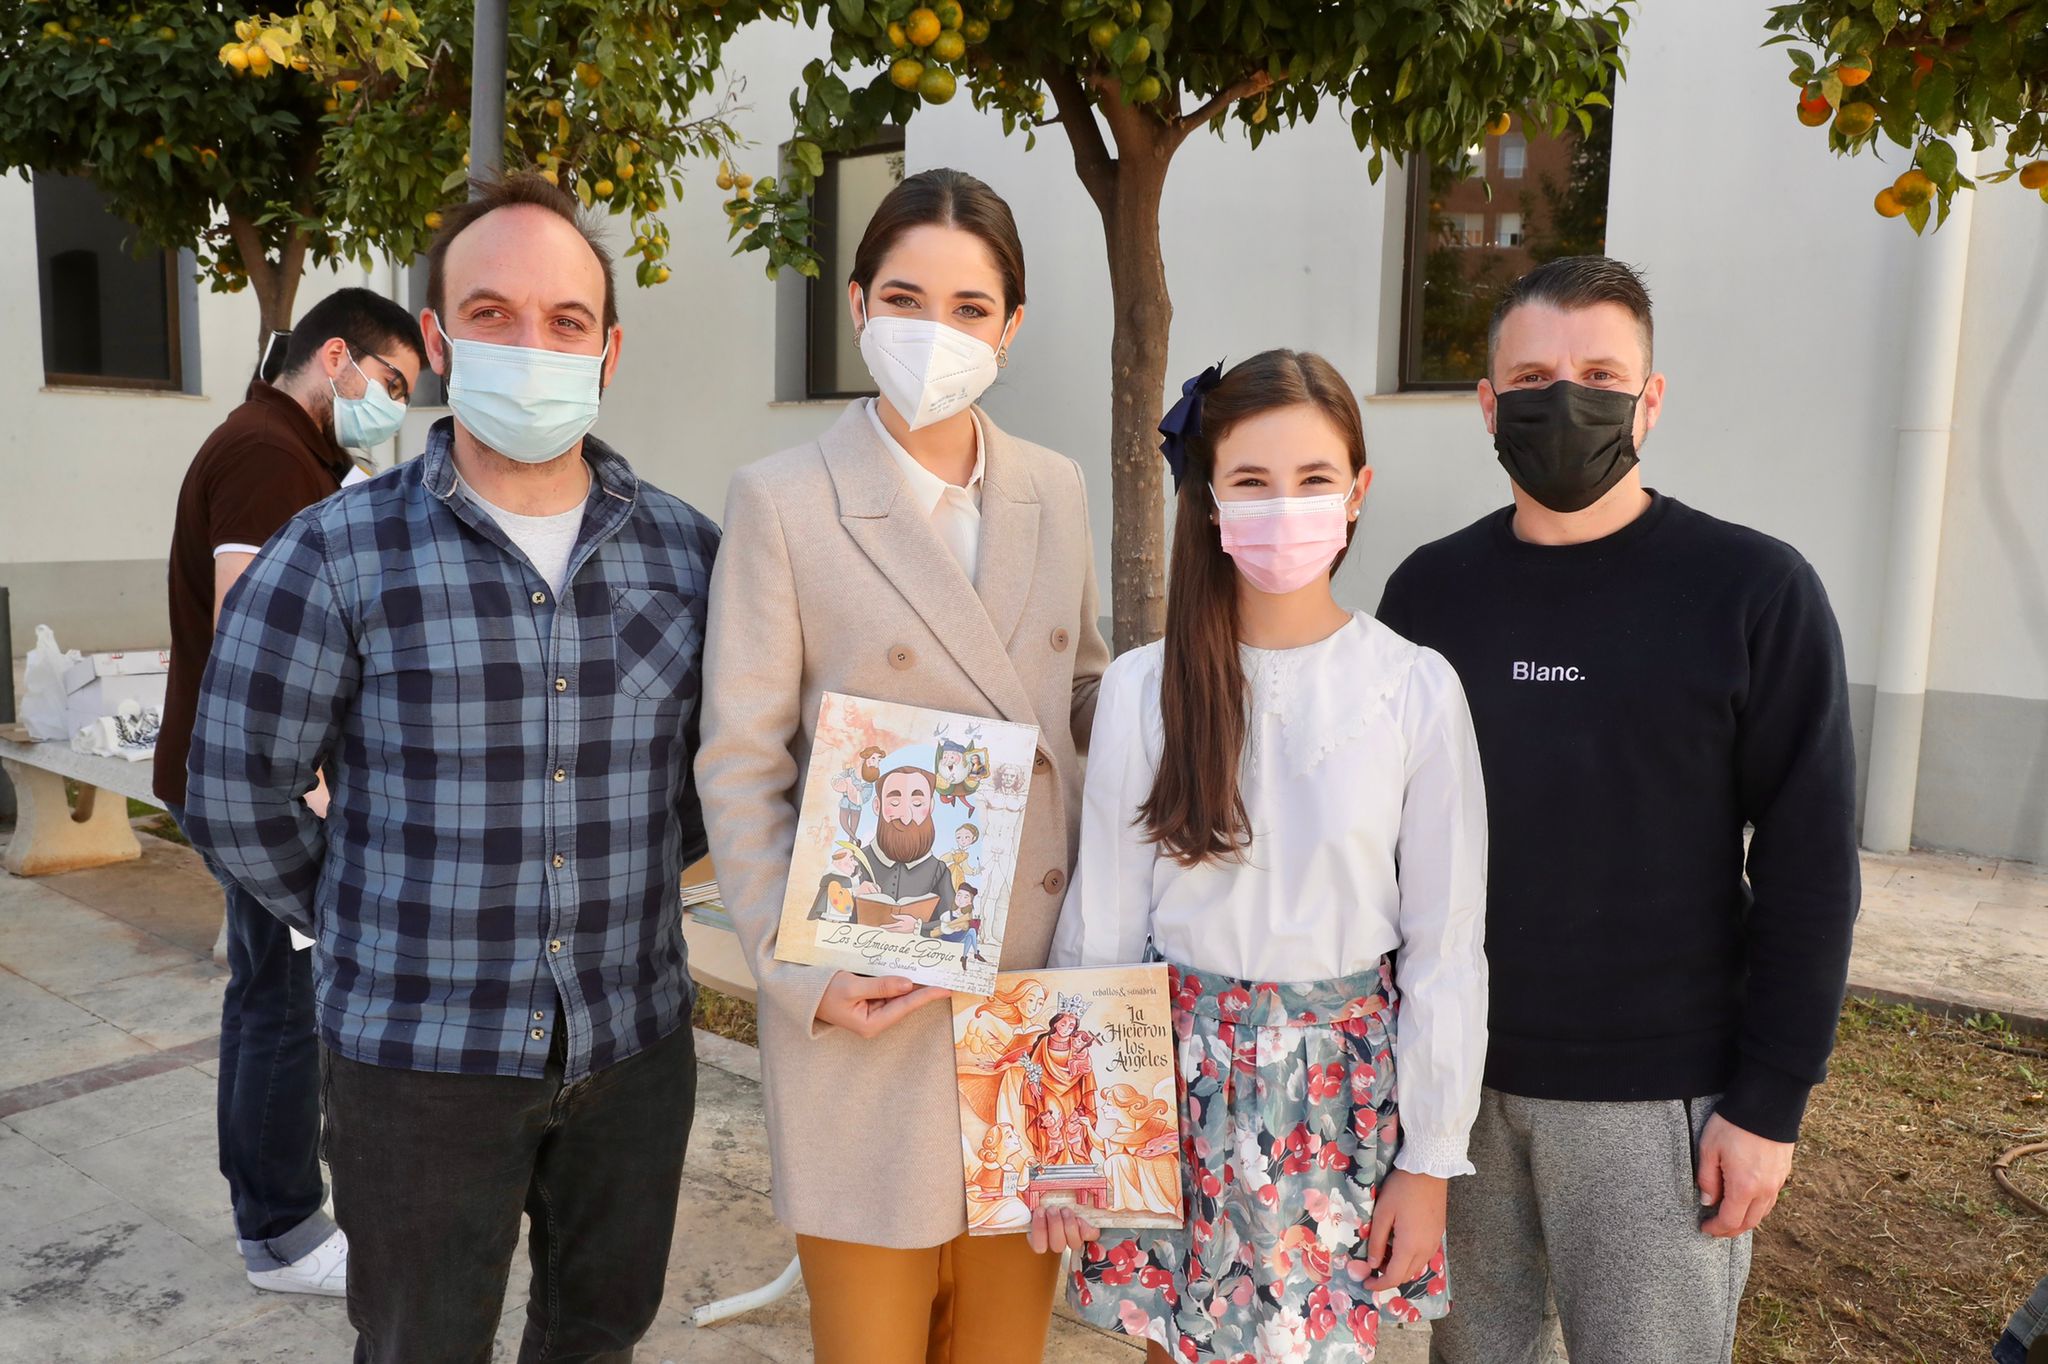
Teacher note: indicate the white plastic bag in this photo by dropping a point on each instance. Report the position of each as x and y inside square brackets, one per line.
[43, 693]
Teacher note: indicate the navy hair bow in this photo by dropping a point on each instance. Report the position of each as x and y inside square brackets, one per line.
[1183, 421]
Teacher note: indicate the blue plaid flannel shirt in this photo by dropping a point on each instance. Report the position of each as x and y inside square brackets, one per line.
[512, 801]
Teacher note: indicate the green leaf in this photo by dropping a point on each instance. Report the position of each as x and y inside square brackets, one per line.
[1937, 94]
[1917, 216]
[1938, 159]
[1404, 83]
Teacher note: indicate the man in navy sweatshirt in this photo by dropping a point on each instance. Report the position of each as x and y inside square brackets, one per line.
[1645, 681]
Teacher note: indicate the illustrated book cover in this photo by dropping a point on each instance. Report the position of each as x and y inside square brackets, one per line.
[1067, 1097]
[907, 842]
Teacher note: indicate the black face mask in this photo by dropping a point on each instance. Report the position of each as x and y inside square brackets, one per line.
[1565, 444]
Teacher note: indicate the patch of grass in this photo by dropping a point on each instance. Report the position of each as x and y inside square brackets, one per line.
[1890, 1242]
[726, 1017]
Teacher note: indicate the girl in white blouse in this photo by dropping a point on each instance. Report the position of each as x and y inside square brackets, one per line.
[1283, 800]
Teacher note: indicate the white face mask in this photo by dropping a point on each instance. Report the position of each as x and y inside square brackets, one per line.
[529, 405]
[927, 370]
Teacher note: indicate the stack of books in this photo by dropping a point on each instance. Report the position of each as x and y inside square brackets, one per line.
[700, 886]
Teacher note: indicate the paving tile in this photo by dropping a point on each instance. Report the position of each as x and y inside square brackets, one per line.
[28, 1010]
[37, 1188]
[65, 947]
[63, 1053]
[165, 1008]
[113, 1285]
[1923, 861]
[2033, 873]
[169, 1173]
[118, 1111]
[167, 892]
[301, 1330]
[1969, 887]
[727, 1139]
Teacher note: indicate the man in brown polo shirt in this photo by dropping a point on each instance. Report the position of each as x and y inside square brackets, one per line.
[348, 370]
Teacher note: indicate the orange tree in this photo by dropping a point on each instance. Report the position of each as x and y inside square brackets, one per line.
[1920, 73]
[270, 142]
[1128, 82]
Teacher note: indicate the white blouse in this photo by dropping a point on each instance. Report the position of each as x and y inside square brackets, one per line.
[1368, 818]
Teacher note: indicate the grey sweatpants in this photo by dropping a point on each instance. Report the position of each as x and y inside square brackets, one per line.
[1593, 1204]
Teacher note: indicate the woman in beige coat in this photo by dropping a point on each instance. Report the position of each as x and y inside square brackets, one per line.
[913, 553]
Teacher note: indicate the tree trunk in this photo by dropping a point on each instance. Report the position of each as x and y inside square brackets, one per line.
[1137, 359]
[274, 282]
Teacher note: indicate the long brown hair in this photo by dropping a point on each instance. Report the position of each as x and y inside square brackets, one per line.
[1195, 811]
[944, 198]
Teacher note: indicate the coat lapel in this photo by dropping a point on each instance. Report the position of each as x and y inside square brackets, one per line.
[877, 511]
[1009, 532]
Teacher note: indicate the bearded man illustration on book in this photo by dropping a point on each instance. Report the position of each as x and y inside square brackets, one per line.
[907, 887]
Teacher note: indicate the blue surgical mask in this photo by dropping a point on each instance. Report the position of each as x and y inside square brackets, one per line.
[529, 405]
[372, 419]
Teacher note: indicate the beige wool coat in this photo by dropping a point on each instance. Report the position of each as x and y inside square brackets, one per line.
[831, 578]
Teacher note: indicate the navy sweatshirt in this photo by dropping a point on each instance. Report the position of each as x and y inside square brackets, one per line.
[1638, 700]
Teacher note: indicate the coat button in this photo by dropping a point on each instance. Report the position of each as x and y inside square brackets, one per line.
[1055, 881]
[1059, 639]
[1041, 762]
[901, 658]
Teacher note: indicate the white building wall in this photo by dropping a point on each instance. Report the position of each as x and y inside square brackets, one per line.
[1777, 293]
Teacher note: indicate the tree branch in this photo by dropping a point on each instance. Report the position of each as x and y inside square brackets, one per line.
[1255, 84]
[1092, 161]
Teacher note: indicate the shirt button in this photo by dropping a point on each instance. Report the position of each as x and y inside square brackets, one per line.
[560, 774]
[538, 1034]
[539, 1015]
[1059, 639]
[555, 945]
[1055, 880]
[558, 859]
[901, 658]
[561, 684]
[539, 598]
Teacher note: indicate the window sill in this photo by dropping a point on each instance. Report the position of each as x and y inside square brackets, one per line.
[122, 391]
[1460, 396]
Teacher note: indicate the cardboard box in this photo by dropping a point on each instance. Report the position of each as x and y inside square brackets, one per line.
[97, 684]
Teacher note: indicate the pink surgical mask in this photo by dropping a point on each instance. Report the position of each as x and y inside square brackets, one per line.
[1282, 543]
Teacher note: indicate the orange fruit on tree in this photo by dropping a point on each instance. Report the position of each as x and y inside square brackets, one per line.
[1852, 76]
[2034, 175]
[922, 26]
[1854, 120]
[1888, 205]
[975, 30]
[1814, 110]
[1913, 188]
[937, 86]
[949, 12]
[1498, 124]
[603, 189]
[905, 73]
[898, 39]
[433, 220]
[1103, 32]
[949, 46]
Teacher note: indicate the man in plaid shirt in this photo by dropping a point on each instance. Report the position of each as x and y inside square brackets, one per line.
[493, 653]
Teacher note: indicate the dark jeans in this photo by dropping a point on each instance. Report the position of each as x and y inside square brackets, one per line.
[268, 1096]
[432, 1171]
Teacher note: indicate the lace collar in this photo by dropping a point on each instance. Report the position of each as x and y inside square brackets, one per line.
[1327, 695]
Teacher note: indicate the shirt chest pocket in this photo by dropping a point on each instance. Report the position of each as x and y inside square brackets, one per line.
[656, 641]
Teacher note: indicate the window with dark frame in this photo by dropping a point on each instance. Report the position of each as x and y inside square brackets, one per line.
[1475, 226]
[109, 315]
[845, 198]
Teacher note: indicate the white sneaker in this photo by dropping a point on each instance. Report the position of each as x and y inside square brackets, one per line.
[322, 1270]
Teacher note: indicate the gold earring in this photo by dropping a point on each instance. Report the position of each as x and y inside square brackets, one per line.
[1002, 357]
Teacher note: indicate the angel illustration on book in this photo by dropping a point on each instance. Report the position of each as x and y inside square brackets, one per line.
[1077, 1066]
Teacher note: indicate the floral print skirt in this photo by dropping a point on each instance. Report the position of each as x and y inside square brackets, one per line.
[1288, 1127]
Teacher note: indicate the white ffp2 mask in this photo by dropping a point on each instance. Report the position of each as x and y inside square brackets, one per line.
[927, 370]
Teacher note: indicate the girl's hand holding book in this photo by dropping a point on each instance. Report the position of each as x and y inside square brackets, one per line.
[1056, 1230]
[866, 1005]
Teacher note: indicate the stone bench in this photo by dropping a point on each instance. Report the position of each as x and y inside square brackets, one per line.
[49, 834]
